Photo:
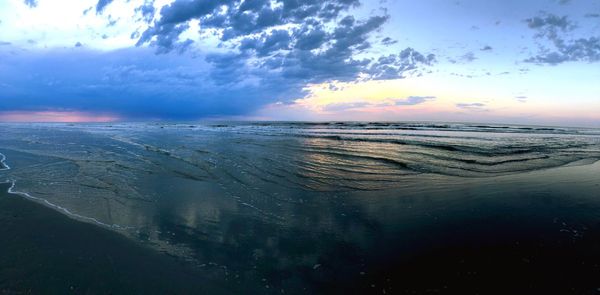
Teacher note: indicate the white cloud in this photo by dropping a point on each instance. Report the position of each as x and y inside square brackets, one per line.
[63, 23]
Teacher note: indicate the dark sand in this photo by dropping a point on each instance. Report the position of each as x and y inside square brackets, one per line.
[45, 252]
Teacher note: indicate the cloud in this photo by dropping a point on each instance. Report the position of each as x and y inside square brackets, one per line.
[521, 98]
[394, 66]
[582, 49]
[31, 3]
[487, 48]
[320, 42]
[276, 40]
[166, 38]
[476, 106]
[388, 41]
[563, 47]
[111, 22]
[468, 57]
[101, 5]
[463, 59]
[131, 83]
[339, 107]
[147, 10]
[265, 52]
[414, 100]
[549, 22]
[408, 101]
[592, 15]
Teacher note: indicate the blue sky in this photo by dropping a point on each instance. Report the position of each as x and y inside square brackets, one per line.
[529, 62]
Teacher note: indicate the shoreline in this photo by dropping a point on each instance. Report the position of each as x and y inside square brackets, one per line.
[61, 209]
[51, 205]
[42, 245]
[82, 218]
[520, 229]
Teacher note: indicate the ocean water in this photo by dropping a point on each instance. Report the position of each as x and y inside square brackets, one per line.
[280, 207]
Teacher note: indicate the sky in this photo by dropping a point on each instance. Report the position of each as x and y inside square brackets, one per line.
[496, 61]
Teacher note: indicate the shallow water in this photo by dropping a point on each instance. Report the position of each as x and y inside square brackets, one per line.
[314, 207]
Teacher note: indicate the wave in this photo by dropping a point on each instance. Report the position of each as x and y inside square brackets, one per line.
[496, 150]
[63, 209]
[3, 165]
[311, 155]
[490, 161]
[416, 126]
[11, 190]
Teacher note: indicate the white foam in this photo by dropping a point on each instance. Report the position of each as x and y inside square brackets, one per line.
[55, 206]
[63, 209]
[3, 162]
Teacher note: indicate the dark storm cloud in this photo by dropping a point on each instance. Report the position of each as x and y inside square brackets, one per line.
[562, 47]
[101, 5]
[132, 83]
[228, 68]
[269, 51]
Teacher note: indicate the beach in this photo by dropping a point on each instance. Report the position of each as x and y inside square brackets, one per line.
[45, 252]
[187, 209]
[292, 147]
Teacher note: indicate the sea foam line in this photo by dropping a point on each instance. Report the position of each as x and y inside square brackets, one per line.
[62, 209]
[55, 206]
[3, 162]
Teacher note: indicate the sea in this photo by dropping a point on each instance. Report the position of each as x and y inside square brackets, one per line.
[330, 207]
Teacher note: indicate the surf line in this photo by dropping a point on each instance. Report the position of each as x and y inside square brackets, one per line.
[54, 206]
[3, 162]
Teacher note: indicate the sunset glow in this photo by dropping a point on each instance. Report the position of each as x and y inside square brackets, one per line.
[56, 116]
[533, 62]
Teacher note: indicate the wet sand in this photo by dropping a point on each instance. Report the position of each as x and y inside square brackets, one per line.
[527, 233]
[542, 240]
[45, 252]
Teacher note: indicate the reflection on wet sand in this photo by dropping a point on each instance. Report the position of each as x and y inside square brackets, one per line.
[268, 212]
